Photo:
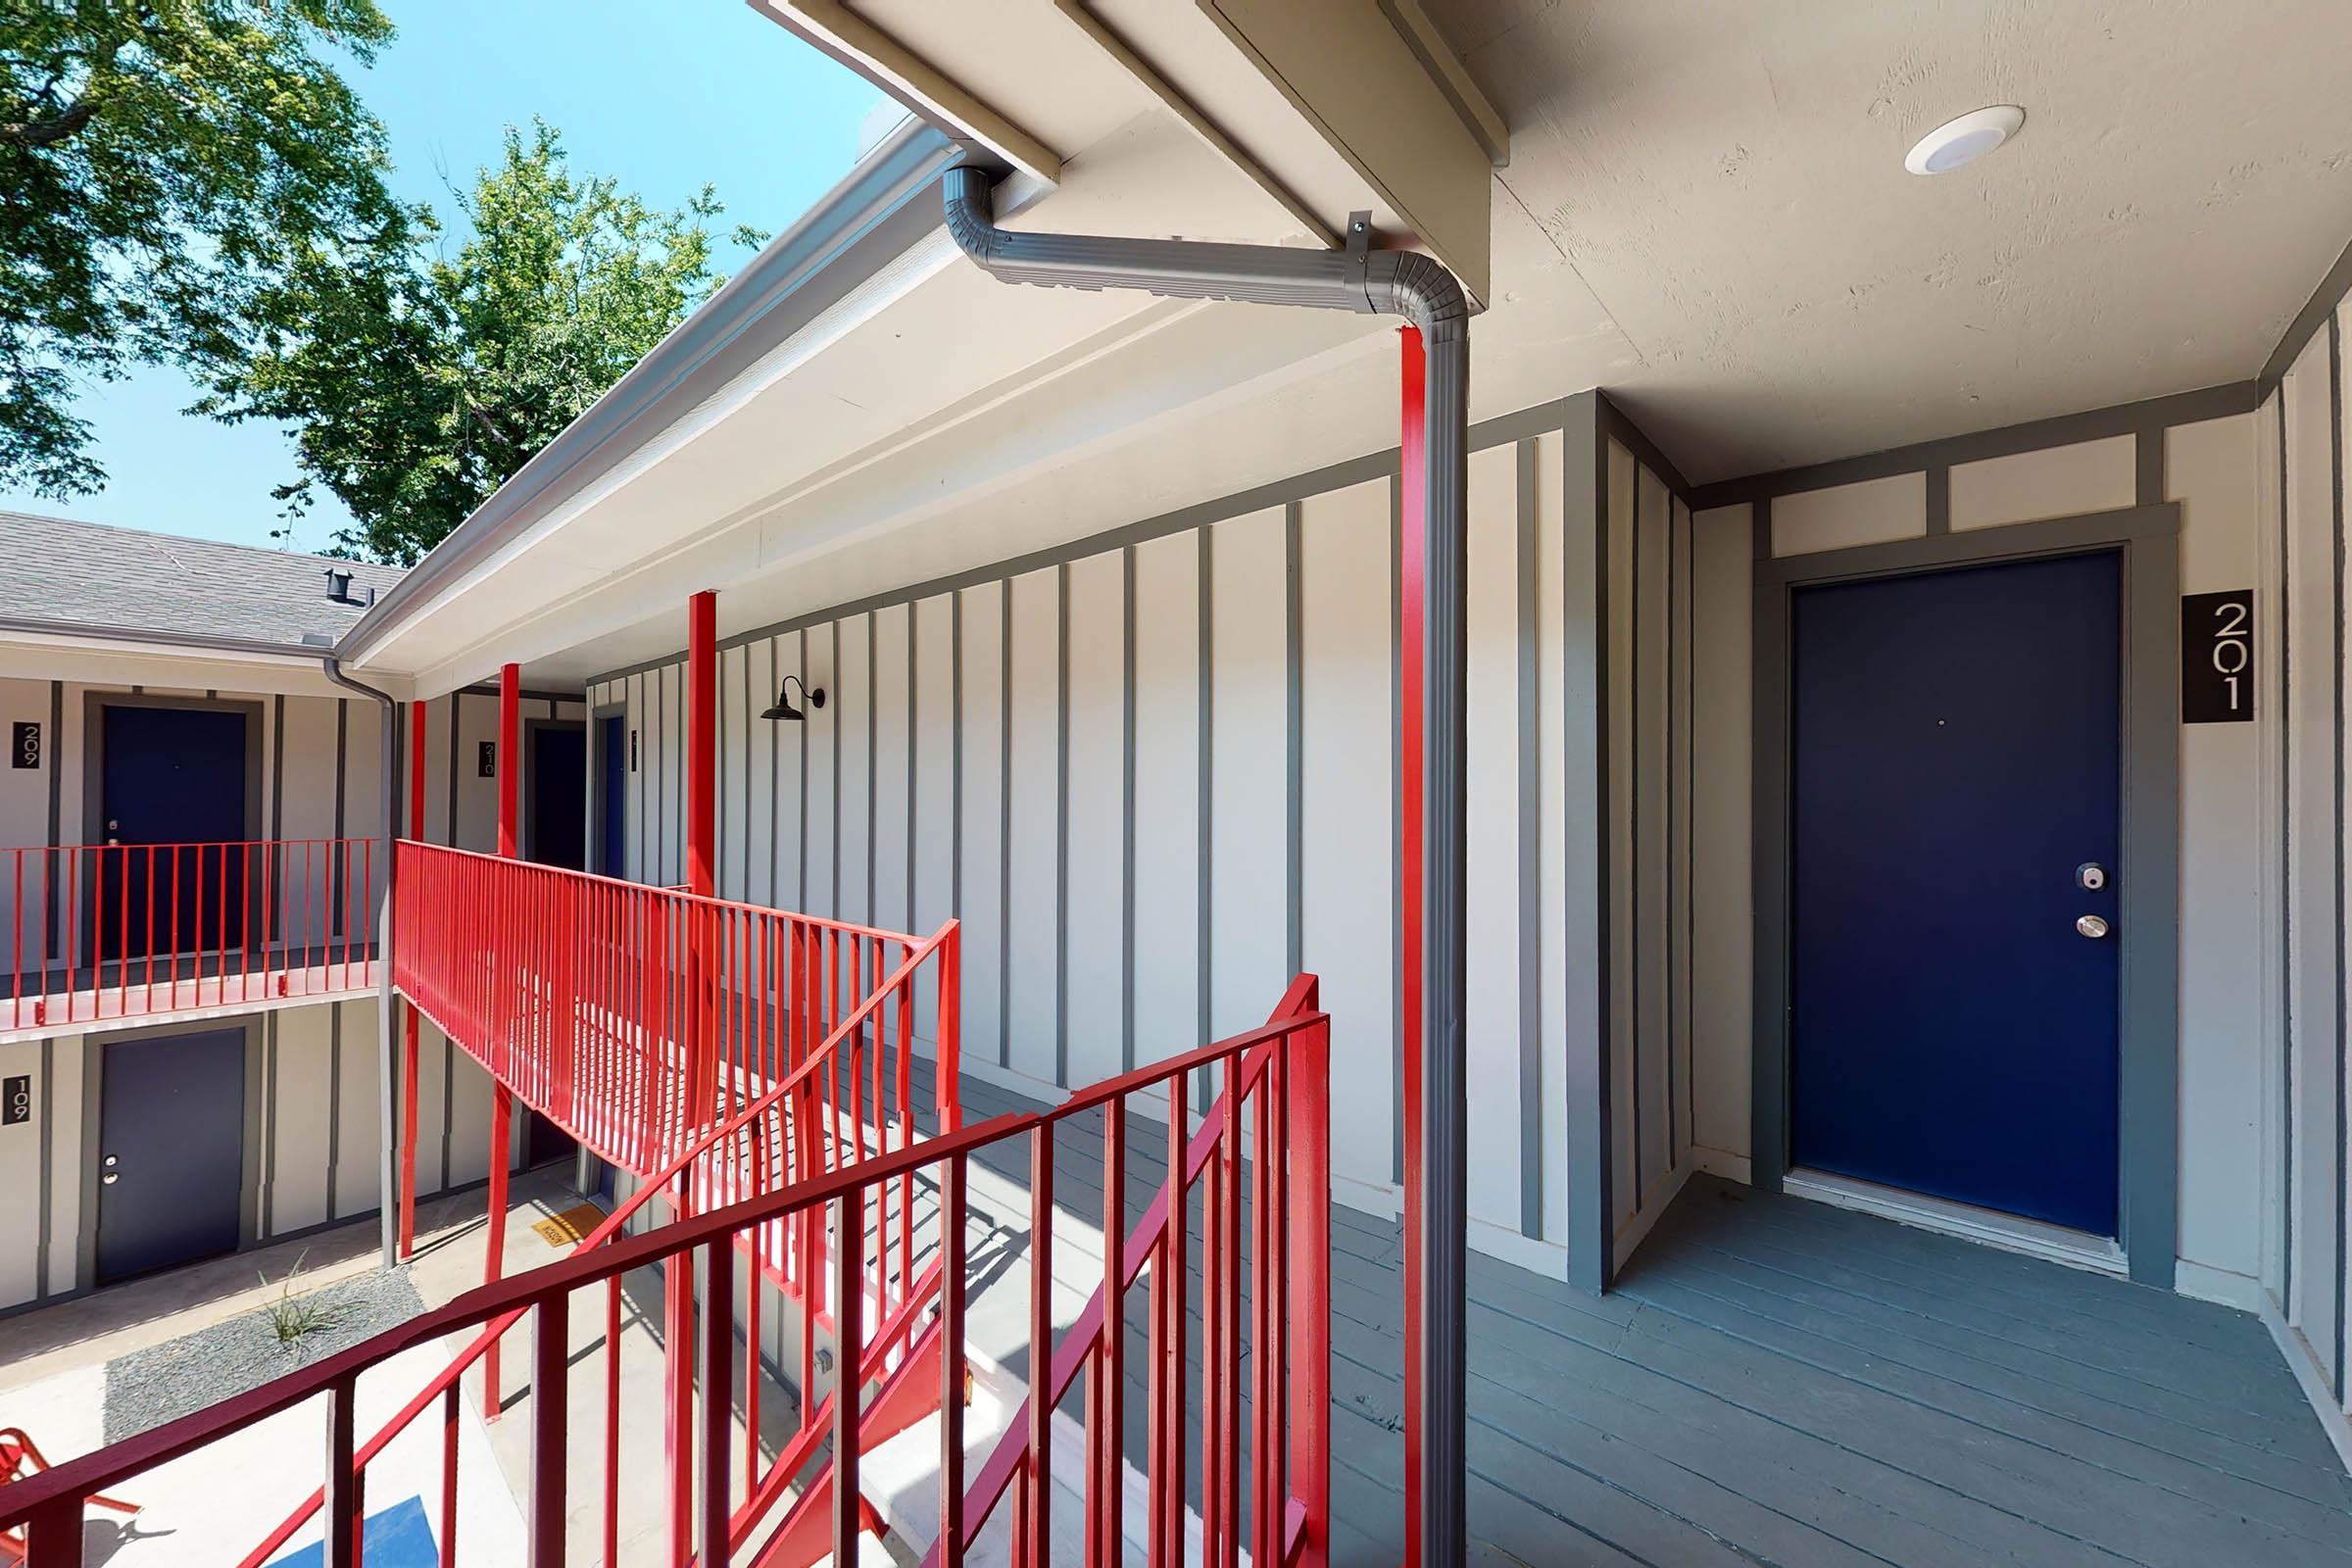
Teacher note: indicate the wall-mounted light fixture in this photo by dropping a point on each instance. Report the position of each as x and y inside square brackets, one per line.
[784, 707]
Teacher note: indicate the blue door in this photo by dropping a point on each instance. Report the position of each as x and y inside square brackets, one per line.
[1955, 762]
[171, 1150]
[176, 776]
[613, 799]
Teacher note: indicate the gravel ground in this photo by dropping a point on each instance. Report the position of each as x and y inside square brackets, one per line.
[149, 1386]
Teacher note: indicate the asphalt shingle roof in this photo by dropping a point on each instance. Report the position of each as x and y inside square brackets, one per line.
[87, 574]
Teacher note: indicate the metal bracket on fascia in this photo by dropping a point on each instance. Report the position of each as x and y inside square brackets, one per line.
[1360, 249]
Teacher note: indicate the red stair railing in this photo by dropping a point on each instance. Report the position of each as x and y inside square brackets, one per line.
[815, 1121]
[1275, 1078]
[102, 931]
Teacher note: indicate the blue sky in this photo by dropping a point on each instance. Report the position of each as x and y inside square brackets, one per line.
[662, 95]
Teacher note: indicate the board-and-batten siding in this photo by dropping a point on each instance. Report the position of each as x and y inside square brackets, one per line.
[1649, 591]
[1091, 760]
[2309, 1274]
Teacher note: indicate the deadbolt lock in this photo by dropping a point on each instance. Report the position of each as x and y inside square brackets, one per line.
[2090, 876]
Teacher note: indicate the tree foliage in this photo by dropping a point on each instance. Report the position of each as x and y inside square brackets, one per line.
[419, 380]
[158, 159]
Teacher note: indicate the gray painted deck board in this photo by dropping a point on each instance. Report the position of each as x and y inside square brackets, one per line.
[1778, 1382]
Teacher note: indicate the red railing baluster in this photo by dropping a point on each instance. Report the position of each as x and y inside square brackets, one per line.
[1041, 1345]
[342, 1506]
[611, 1538]
[1107, 1414]
[550, 1426]
[952, 1361]
[717, 1379]
[449, 1476]
[849, 1361]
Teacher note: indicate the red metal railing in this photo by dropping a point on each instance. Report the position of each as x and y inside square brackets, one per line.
[634, 1017]
[99, 931]
[1276, 1081]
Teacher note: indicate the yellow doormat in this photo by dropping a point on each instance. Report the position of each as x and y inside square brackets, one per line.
[571, 1227]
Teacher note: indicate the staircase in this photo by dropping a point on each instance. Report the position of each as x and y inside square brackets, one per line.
[753, 1070]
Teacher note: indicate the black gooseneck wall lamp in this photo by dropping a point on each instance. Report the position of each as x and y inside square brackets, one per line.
[784, 707]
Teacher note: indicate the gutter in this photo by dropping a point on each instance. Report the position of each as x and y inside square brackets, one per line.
[387, 1140]
[85, 631]
[1422, 291]
[869, 219]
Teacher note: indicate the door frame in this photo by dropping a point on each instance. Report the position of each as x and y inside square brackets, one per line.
[93, 778]
[527, 785]
[249, 1157]
[597, 806]
[2148, 1002]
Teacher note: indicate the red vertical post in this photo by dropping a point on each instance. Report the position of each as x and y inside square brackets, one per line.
[1411, 631]
[502, 1097]
[1306, 1275]
[407, 1054]
[701, 1064]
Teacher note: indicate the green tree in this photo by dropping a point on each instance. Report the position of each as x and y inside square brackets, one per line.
[158, 160]
[419, 380]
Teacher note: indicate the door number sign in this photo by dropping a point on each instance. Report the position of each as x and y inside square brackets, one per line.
[2217, 658]
[24, 744]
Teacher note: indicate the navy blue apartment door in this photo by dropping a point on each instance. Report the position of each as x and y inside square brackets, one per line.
[1955, 768]
[173, 776]
[171, 1150]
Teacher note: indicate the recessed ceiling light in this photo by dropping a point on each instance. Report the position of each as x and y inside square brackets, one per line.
[1964, 140]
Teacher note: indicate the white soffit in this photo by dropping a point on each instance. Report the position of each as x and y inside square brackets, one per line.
[1728, 180]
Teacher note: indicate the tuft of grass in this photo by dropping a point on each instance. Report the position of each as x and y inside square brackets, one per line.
[293, 1317]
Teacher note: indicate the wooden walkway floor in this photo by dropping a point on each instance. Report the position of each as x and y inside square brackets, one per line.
[1775, 1382]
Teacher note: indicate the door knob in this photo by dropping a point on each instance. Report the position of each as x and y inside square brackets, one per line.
[2090, 925]
[110, 1178]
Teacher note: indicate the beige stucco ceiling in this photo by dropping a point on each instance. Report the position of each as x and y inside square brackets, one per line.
[1727, 179]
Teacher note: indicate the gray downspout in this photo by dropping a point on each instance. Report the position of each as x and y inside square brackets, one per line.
[1422, 291]
[387, 1192]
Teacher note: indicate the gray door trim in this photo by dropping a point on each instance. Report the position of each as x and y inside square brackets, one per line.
[2148, 537]
[597, 806]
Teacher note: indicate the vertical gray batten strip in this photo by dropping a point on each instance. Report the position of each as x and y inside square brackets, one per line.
[1939, 499]
[748, 710]
[1670, 946]
[661, 869]
[1585, 775]
[269, 1124]
[277, 767]
[1396, 819]
[1004, 823]
[1294, 745]
[1633, 812]
[1127, 702]
[2287, 904]
[2147, 466]
[334, 859]
[1530, 859]
[334, 1103]
[1061, 823]
[2343, 1151]
[1204, 807]
[48, 1155]
[57, 723]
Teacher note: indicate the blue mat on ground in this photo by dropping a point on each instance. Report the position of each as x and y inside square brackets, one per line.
[397, 1537]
